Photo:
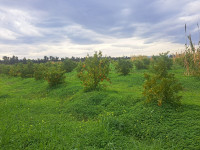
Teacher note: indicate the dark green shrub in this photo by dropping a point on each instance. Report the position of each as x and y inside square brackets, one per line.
[93, 71]
[146, 61]
[139, 64]
[4, 69]
[124, 66]
[161, 87]
[39, 71]
[23, 70]
[54, 76]
[162, 58]
[178, 59]
[79, 67]
[69, 65]
[15, 70]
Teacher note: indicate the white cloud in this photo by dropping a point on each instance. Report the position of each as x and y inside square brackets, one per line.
[79, 31]
[111, 47]
[192, 7]
[115, 28]
[191, 19]
[7, 34]
[17, 22]
[143, 38]
[126, 12]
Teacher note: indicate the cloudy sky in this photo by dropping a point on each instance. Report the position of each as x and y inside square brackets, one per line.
[34, 28]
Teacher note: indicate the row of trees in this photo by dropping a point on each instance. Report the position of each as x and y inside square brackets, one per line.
[15, 59]
[160, 86]
[53, 72]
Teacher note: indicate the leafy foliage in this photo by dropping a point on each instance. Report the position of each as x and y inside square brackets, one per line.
[161, 87]
[178, 59]
[39, 71]
[67, 118]
[4, 69]
[15, 70]
[79, 67]
[27, 70]
[54, 75]
[162, 59]
[69, 65]
[93, 71]
[22, 70]
[124, 66]
[141, 62]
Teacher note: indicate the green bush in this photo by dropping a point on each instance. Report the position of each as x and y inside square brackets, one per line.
[54, 76]
[79, 67]
[161, 87]
[162, 58]
[29, 69]
[15, 70]
[4, 69]
[69, 65]
[39, 71]
[93, 71]
[142, 63]
[178, 59]
[139, 64]
[23, 70]
[124, 66]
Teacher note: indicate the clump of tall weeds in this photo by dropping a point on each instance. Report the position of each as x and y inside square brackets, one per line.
[192, 57]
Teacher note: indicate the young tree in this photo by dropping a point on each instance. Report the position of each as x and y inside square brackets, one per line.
[161, 87]
[93, 71]
[69, 65]
[124, 66]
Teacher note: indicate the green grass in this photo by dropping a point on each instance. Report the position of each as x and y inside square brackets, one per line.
[35, 116]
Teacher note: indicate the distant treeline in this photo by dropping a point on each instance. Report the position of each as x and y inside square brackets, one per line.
[15, 59]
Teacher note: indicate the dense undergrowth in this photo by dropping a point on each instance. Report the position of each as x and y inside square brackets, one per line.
[36, 116]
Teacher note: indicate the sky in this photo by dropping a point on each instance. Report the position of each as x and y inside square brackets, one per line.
[66, 28]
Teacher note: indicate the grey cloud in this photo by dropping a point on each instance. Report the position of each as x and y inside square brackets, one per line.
[42, 22]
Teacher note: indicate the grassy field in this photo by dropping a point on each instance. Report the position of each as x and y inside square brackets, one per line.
[34, 116]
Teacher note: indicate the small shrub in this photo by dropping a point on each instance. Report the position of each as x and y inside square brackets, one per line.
[178, 59]
[26, 70]
[161, 87]
[141, 62]
[69, 65]
[79, 67]
[54, 76]
[15, 70]
[146, 61]
[162, 58]
[29, 69]
[4, 69]
[93, 71]
[124, 66]
[39, 71]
